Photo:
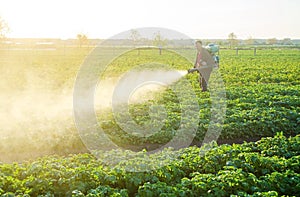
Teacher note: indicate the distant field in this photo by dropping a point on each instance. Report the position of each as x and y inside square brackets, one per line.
[36, 89]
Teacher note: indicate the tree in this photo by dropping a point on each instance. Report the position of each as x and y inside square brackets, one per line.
[250, 41]
[272, 41]
[82, 39]
[4, 29]
[232, 38]
[135, 36]
[159, 41]
[287, 41]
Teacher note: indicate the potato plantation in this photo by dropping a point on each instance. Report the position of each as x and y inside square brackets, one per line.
[256, 154]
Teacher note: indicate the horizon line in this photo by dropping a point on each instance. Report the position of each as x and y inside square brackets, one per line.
[57, 38]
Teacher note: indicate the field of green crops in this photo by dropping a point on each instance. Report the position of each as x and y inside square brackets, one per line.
[38, 130]
[262, 95]
[269, 167]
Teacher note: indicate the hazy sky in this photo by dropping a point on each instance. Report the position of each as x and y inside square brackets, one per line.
[195, 18]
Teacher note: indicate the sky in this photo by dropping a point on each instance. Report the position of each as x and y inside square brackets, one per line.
[196, 18]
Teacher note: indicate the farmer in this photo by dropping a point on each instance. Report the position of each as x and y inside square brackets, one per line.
[204, 64]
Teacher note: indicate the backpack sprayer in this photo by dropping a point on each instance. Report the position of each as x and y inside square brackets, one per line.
[212, 49]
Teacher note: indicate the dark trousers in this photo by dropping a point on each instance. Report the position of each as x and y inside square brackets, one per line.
[204, 78]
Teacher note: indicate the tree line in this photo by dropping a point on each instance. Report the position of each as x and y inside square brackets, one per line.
[232, 40]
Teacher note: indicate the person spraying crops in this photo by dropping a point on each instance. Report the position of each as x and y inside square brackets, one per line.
[206, 60]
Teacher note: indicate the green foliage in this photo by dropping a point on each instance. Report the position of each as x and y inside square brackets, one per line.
[226, 170]
[262, 99]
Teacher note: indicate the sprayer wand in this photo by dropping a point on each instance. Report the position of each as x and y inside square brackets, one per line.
[198, 69]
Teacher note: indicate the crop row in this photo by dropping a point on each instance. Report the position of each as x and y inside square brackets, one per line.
[251, 111]
[269, 167]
